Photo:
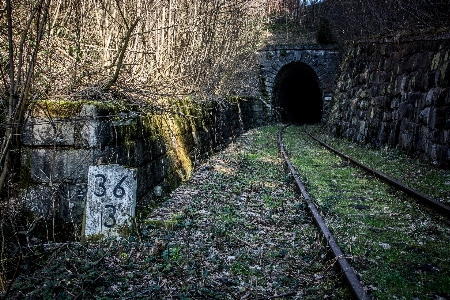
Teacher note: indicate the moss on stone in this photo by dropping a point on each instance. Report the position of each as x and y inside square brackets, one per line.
[57, 108]
[69, 108]
[435, 61]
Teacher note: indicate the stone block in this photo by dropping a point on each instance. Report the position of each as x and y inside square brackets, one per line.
[348, 133]
[123, 131]
[362, 128]
[158, 146]
[411, 64]
[424, 85]
[72, 199]
[446, 137]
[39, 199]
[415, 81]
[387, 116]
[50, 166]
[406, 111]
[437, 137]
[422, 138]
[431, 80]
[405, 141]
[45, 132]
[400, 85]
[132, 154]
[159, 169]
[395, 102]
[394, 133]
[111, 200]
[61, 200]
[424, 116]
[432, 118]
[382, 133]
[146, 182]
[442, 117]
[91, 132]
[443, 97]
[438, 153]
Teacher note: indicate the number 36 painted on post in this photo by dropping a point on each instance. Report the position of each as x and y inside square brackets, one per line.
[111, 199]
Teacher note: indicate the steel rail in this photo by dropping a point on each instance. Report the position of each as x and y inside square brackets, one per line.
[438, 206]
[350, 276]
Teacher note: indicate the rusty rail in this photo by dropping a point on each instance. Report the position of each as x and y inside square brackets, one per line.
[350, 276]
[438, 206]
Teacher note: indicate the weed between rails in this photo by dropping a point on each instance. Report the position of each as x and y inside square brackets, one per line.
[398, 247]
[417, 174]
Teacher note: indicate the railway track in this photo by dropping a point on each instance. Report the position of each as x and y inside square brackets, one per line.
[438, 206]
[334, 237]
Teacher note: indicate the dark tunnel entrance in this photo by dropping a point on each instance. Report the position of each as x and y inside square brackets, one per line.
[297, 96]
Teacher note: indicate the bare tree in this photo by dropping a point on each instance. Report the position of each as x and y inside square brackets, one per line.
[357, 18]
[18, 74]
[98, 49]
[24, 25]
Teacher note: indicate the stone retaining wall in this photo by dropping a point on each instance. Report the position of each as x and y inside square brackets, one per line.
[396, 92]
[62, 139]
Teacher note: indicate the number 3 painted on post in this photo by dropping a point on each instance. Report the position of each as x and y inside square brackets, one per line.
[110, 216]
[101, 185]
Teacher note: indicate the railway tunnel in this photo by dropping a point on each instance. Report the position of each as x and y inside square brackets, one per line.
[297, 94]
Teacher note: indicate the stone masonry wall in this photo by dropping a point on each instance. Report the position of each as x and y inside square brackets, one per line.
[396, 92]
[62, 139]
[323, 60]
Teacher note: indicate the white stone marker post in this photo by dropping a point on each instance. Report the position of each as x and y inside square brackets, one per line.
[111, 199]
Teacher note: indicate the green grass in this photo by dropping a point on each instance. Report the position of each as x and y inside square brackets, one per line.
[393, 241]
[418, 174]
[236, 229]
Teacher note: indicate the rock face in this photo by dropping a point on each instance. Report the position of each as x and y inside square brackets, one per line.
[61, 140]
[395, 92]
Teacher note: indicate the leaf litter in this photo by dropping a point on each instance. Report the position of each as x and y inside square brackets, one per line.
[235, 230]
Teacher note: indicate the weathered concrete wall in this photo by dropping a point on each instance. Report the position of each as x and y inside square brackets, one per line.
[396, 92]
[62, 139]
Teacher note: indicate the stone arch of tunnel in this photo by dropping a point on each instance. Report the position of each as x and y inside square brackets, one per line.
[297, 94]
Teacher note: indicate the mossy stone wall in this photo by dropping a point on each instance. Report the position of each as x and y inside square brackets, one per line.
[62, 139]
[395, 92]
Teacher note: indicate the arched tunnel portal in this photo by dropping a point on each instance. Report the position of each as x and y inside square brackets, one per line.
[297, 94]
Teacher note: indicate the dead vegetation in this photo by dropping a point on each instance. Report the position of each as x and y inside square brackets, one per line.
[235, 230]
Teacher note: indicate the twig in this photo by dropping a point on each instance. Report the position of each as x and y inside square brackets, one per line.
[123, 49]
[8, 289]
[279, 296]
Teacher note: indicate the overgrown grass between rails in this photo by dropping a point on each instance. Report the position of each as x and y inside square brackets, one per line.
[398, 247]
[415, 173]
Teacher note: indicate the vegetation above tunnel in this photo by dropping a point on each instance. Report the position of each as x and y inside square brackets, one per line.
[293, 21]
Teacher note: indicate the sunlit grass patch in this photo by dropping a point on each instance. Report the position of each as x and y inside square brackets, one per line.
[420, 175]
[390, 238]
